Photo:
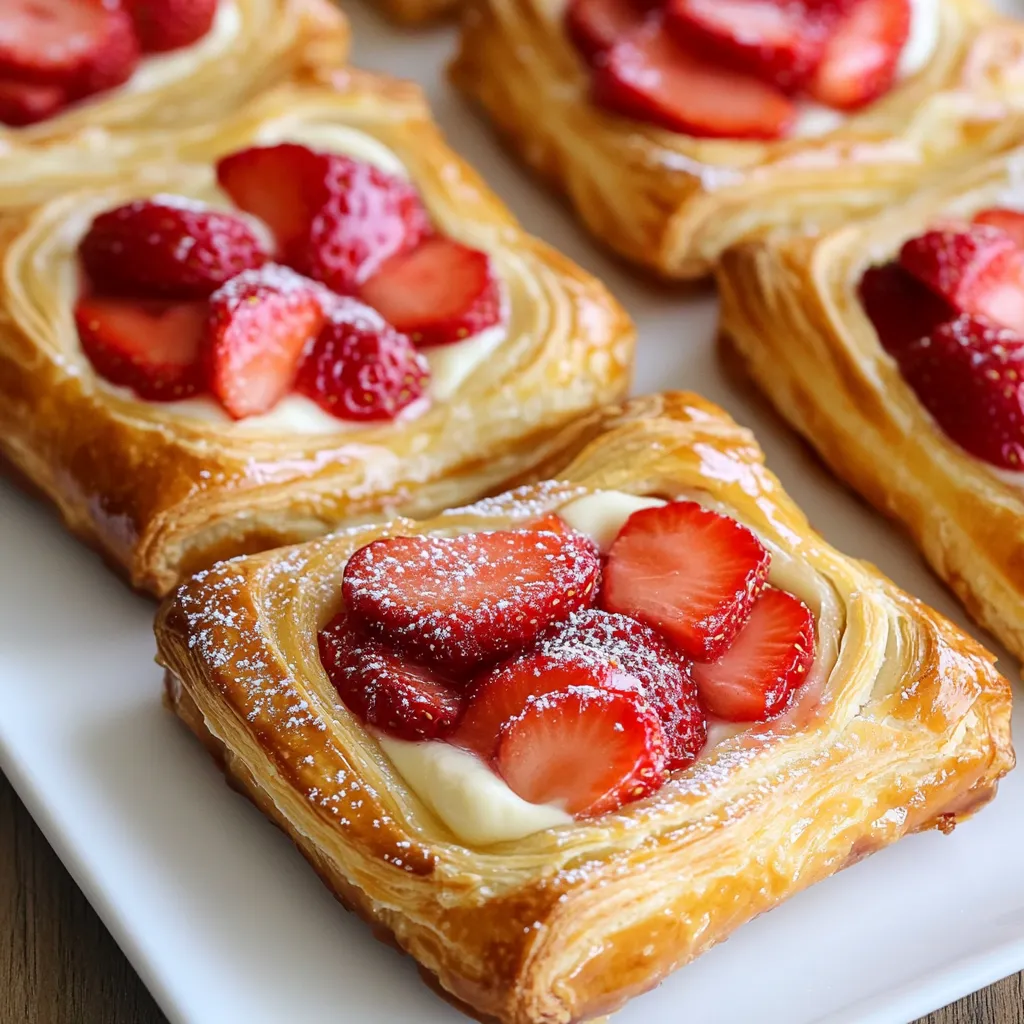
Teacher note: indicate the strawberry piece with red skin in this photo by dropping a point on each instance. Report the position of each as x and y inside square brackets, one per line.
[261, 323]
[23, 103]
[385, 690]
[900, 307]
[594, 26]
[283, 185]
[1009, 221]
[648, 76]
[769, 659]
[466, 601]
[361, 368]
[163, 25]
[168, 247]
[968, 376]
[439, 293]
[862, 55]
[336, 219]
[110, 64]
[148, 346]
[978, 269]
[593, 648]
[688, 572]
[781, 43]
[585, 749]
[51, 42]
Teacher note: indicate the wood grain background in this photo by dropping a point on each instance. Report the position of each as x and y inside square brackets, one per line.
[58, 965]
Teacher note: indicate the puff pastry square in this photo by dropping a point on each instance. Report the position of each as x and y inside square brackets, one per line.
[162, 495]
[792, 309]
[905, 726]
[253, 46]
[673, 203]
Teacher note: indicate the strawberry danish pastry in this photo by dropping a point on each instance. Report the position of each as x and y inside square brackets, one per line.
[896, 347]
[329, 320]
[85, 83]
[558, 743]
[678, 127]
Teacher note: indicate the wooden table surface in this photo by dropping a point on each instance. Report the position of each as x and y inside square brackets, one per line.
[58, 964]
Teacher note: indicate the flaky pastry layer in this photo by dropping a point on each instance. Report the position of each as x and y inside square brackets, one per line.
[673, 203]
[253, 46]
[164, 496]
[908, 729]
[417, 12]
[793, 312]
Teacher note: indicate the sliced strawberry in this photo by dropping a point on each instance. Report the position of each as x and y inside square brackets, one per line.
[51, 42]
[467, 600]
[687, 572]
[361, 368]
[368, 217]
[968, 376]
[595, 26]
[598, 649]
[409, 701]
[283, 185]
[150, 347]
[169, 247]
[979, 270]
[768, 660]
[439, 293]
[112, 63]
[171, 24]
[260, 325]
[862, 55]
[549, 523]
[900, 307]
[1009, 221]
[650, 77]
[585, 749]
[780, 42]
[22, 103]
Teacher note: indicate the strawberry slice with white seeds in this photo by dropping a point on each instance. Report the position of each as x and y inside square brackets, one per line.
[168, 247]
[261, 323]
[22, 103]
[405, 700]
[361, 368]
[585, 749]
[164, 25]
[650, 77]
[781, 43]
[151, 347]
[1009, 221]
[465, 601]
[597, 649]
[687, 572]
[862, 56]
[901, 308]
[595, 26]
[439, 293]
[767, 662]
[968, 374]
[979, 270]
[51, 42]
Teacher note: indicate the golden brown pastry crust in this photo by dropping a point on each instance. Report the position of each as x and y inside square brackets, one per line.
[793, 312]
[673, 203]
[418, 12]
[911, 731]
[254, 45]
[163, 496]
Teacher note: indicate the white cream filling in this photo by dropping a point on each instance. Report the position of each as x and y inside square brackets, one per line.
[466, 795]
[155, 72]
[813, 119]
[475, 803]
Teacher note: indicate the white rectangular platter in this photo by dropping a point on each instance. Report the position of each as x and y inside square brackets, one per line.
[222, 917]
